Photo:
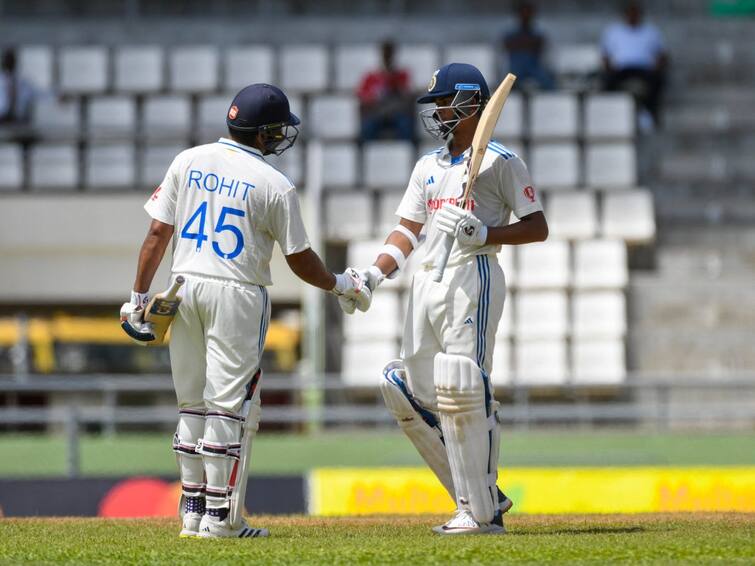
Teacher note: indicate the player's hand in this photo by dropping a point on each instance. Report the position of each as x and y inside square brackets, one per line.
[132, 319]
[353, 287]
[373, 277]
[462, 225]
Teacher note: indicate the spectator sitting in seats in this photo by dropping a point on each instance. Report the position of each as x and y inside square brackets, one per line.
[635, 61]
[525, 45]
[16, 93]
[385, 101]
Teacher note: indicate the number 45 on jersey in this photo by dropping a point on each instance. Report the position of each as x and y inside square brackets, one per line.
[200, 217]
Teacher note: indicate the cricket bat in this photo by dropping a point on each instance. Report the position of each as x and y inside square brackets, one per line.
[480, 141]
[161, 310]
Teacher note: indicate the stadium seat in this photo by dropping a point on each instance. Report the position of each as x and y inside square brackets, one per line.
[109, 167]
[629, 216]
[577, 59]
[611, 165]
[111, 117]
[334, 117]
[387, 219]
[348, 215]
[139, 69]
[194, 69]
[599, 314]
[543, 265]
[609, 115]
[363, 361]
[506, 259]
[383, 320]
[167, 117]
[554, 115]
[303, 68]
[155, 162]
[340, 165]
[353, 62]
[510, 125]
[83, 70]
[540, 362]
[12, 166]
[387, 164]
[555, 165]
[506, 325]
[55, 119]
[600, 264]
[35, 62]
[54, 166]
[541, 315]
[598, 362]
[290, 162]
[364, 252]
[211, 115]
[501, 373]
[247, 64]
[420, 61]
[480, 55]
[572, 215]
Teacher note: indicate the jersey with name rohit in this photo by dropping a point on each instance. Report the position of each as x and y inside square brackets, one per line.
[503, 186]
[228, 207]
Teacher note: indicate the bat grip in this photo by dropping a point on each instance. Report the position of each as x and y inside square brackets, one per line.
[442, 260]
[171, 293]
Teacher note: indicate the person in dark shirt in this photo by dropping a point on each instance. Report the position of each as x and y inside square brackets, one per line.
[525, 46]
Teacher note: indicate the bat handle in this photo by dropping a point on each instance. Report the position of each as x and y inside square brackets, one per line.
[171, 294]
[442, 260]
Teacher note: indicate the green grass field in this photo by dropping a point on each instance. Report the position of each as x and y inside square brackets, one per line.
[43, 455]
[565, 539]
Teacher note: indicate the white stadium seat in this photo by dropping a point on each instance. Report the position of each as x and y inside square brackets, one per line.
[600, 264]
[139, 68]
[348, 215]
[363, 361]
[541, 315]
[109, 167]
[211, 115]
[35, 63]
[510, 124]
[334, 117]
[155, 162]
[290, 162]
[111, 117]
[388, 164]
[629, 216]
[599, 314]
[12, 166]
[480, 55]
[506, 325]
[54, 119]
[543, 265]
[353, 62]
[387, 219]
[598, 362]
[555, 165]
[167, 117]
[541, 362]
[611, 165]
[83, 70]
[54, 166]
[194, 69]
[501, 373]
[303, 68]
[554, 115]
[247, 64]
[506, 259]
[340, 165]
[420, 61]
[572, 215]
[383, 320]
[609, 115]
[577, 59]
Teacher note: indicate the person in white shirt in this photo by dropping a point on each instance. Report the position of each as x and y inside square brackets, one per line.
[443, 376]
[635, 60]
[17, 94]
[223, 206]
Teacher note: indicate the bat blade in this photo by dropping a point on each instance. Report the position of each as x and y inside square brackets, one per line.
[162, 309]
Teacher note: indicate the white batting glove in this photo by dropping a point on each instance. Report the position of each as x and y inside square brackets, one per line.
[132, 319]
[462, 225]
[352, 286]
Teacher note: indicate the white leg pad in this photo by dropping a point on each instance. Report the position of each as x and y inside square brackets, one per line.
[419, 424]
[463, 407]
[188, 433]
[220, 448]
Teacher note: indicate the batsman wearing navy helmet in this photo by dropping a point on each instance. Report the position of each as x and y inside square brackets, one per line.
[440, 391]
[223, 206]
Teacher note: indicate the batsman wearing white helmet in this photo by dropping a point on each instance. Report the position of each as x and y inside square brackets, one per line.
[440, 390]
[224, 207]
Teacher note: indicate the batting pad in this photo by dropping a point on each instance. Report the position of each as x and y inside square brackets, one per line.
[188, 432]
[460, 388]
[419, 424]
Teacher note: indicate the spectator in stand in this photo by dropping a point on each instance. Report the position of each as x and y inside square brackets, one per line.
[385, 101]
[16, 93]
[526, 45]
[635, 61]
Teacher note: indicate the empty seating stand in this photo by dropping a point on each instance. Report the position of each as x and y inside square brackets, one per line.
[54, 166]
[139, 69]
[247, 64]
[111, 117]
[334, 117]
[388, 164]
[352, 62]
[304, 68]
[194, 69]
[12, 167]
[83, 70]
[572, 215]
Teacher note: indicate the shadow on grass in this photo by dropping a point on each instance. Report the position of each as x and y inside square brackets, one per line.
[580, 531]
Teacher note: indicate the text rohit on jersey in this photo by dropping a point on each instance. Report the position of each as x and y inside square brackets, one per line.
[211, 183]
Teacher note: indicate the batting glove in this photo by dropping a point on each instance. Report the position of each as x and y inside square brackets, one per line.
[462, 225]
[132, 319]
[353, 288]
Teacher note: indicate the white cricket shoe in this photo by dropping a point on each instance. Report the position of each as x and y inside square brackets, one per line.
[212, 527]
[191, 525]
[463, 523]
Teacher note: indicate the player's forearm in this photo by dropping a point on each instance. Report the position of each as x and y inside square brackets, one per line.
[385, 262]
[531, 228]
[308, 267]
[151, 255]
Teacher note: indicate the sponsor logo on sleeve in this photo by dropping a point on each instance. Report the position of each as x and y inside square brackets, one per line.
[529, 192]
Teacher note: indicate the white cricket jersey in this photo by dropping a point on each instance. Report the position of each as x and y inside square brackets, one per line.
[502, 187]
[228, 206]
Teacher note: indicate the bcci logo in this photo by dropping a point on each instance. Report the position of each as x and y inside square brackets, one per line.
[433, 81]
[233, 112]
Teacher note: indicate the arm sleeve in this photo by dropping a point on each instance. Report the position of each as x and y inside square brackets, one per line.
[518, 191]
[412, 206]
[286, 223]
[162, 204]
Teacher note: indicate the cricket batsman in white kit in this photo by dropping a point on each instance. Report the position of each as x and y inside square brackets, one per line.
[224, 206]
[440, 391]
